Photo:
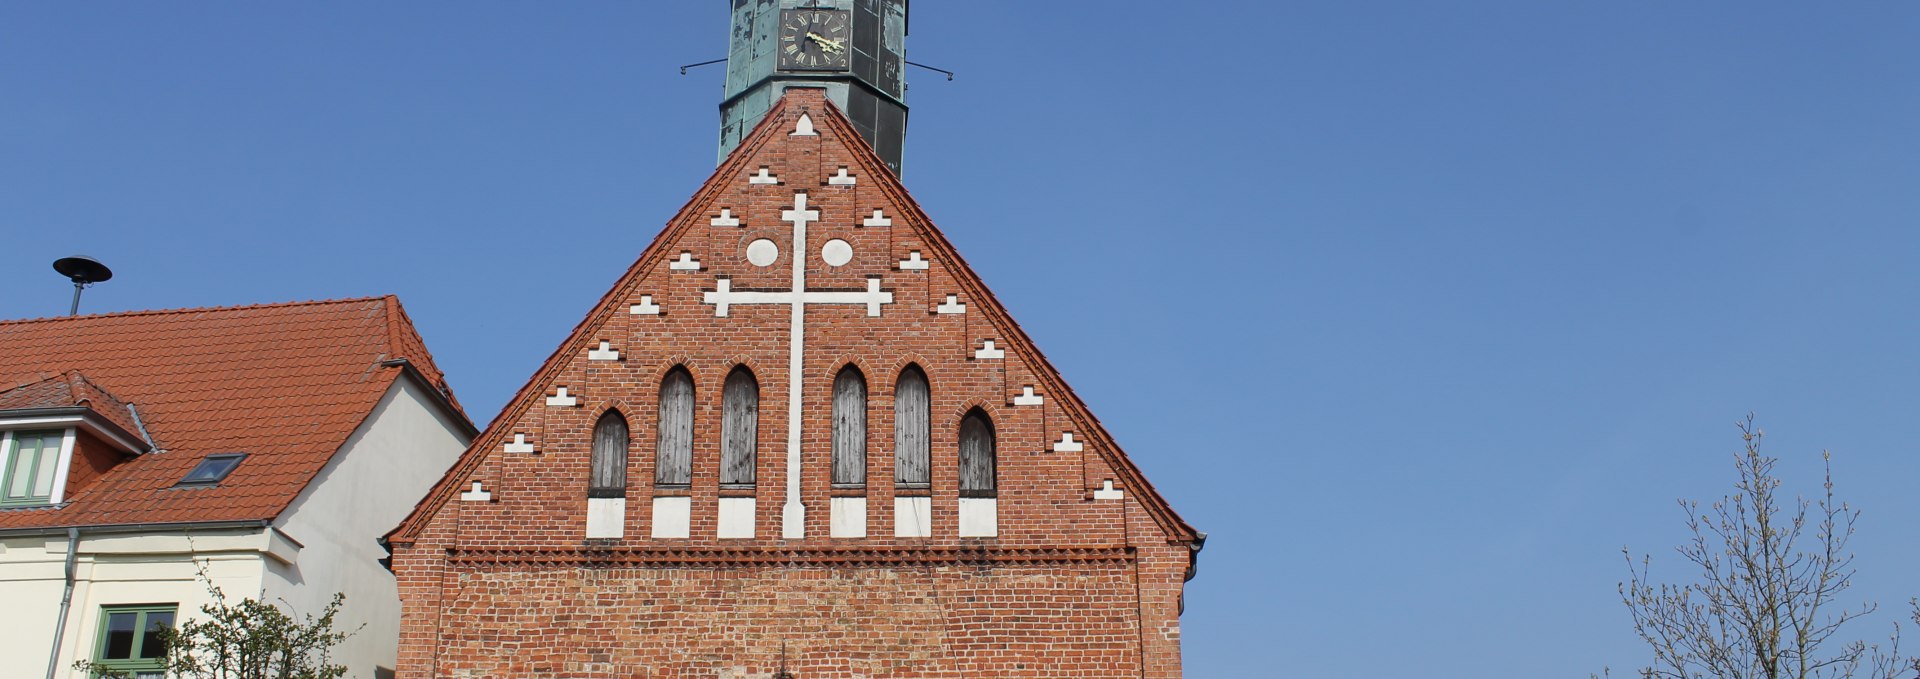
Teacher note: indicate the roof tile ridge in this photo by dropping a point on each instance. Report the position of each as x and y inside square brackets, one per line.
[482, 446]
[404, 338]
[188, 310]
[968, 277]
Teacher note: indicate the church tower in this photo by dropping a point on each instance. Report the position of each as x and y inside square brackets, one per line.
[855, 49]
[798, 434]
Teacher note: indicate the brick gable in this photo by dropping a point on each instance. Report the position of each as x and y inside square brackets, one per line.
[1080, 577]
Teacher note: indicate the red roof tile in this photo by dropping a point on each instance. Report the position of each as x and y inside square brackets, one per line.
[68, 390]
[285, 383]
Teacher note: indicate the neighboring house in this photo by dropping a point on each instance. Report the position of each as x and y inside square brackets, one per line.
[269, 446]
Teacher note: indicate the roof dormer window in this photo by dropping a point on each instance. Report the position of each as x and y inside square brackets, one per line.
[30, 462]
[213, 470]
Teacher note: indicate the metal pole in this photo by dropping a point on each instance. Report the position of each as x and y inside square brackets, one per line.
[75, 309]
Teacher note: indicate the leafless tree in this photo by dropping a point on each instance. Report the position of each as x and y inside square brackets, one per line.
[1766, 604]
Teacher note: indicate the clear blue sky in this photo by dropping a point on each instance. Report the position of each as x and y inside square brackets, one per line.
[1423, 310]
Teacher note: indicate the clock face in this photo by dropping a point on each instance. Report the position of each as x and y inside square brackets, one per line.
[815, 39]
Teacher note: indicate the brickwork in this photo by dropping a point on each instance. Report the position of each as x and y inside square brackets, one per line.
[1071, 585]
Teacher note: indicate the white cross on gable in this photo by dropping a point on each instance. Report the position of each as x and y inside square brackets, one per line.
[723, 297]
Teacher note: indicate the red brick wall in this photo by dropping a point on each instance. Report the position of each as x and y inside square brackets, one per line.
[1073, 586]
[92, 457]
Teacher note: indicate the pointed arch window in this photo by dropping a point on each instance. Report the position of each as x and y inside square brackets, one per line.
[911, 429]
[609, 456]
[979, 465]
[739, 429]
[673, 465]
[850, 429]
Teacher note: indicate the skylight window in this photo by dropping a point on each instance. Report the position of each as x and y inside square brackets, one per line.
[213, 470]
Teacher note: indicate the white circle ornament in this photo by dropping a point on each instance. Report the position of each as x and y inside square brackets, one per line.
[837, 252]
[763, 252]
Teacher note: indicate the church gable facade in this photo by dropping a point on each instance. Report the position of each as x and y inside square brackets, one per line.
[798, 431]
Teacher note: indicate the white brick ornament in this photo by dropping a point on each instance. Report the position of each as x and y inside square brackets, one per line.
[606, 352]
[726, 218]
[1028, 398]
[477, 494]
[519, 445]
[804, 128]
[1067, 444]
[561, 399]
[952, 306]
[988, 352]
[686, 262]
[1108, 492]
[841, 179]
[762, 178]
[877, 219]
[646, 307]
[913, 262]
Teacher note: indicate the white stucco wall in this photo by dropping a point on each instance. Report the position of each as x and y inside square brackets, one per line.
[325, 542]
[110, 570]
[387, 466]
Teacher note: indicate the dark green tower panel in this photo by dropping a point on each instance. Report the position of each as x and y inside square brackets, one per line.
[871, 88]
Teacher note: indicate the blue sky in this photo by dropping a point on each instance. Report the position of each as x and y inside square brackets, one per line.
[1422, 310]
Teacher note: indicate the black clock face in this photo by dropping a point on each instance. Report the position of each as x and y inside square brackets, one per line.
[815, 39]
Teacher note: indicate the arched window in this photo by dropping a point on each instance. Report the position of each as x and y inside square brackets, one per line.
[911, 429]
[609, 478]
[850, 429]
[673, 466]
[739, 429]
[978, 463]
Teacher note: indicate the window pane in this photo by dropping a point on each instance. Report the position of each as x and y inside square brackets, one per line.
[850, 428]
[739, 429]
[673, 449]
[977, 473]
[119, 636]
[45, 465]
[20, 467]
[609, 456]
[910, 429]
[150, 643]
[213, 469]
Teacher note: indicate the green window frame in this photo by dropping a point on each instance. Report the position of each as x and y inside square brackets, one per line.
[129, 641]
[32, 459]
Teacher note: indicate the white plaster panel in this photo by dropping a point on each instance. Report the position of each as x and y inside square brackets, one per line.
[979, 517]
[518, 445]
[953, 305]
[763, 178]
[561, 399]
[646, 307]
[606, 352]
[841, 179]
[686, 262]
[1066, 444]
[988, 351]
[763, 252]
[672, 517]
[736, 517]
[849, 518]
[1108, 492]
[836, 252]
[878, 219]
[476, 494]
[804, 127]
[912, 517]
[726, 218]
[1028, 398]
[606, 517]
[913, 262]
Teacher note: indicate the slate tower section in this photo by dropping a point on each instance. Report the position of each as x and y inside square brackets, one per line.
[870, 86]
[798, 421]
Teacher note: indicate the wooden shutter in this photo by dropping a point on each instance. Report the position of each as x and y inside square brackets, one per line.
[673, 464]
[977, 460]
[911, 429]
[609, 477]
[850, 428]
[739, 429]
